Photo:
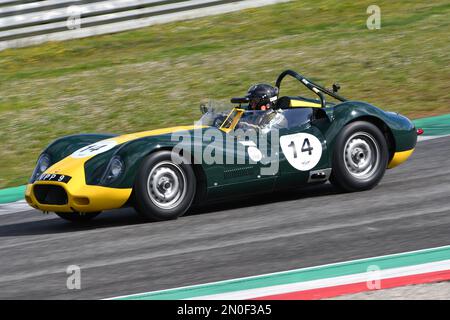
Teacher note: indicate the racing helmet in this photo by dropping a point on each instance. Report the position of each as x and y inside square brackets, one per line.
[259, 95]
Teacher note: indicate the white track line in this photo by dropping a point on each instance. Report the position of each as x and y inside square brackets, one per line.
[13, 207]
[425, 138]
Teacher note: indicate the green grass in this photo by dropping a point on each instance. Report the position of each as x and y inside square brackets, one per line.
[157, 76]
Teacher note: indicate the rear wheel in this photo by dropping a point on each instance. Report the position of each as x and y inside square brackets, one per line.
[360, 157]
[164, 187]
[77, 217]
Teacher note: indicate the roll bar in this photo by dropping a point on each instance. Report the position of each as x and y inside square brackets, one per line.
[317, 89]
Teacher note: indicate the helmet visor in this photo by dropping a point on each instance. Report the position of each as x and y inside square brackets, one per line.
[257, 103]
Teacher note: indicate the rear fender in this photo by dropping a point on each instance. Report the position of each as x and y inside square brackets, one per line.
[401, 129]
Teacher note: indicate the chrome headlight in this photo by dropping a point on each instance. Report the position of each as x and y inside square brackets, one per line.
[43, 164]
[113, 171]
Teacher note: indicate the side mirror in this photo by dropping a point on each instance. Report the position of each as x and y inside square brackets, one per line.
[203, 108]
[336, 87]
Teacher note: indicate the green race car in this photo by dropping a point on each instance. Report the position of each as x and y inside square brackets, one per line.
[162, 173]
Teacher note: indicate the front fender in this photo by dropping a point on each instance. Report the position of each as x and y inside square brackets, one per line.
[131, 153]
[65, 146]
[134, 151]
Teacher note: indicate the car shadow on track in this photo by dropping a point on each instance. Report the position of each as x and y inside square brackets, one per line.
[266, 198]
[128, 216]
[52, 224]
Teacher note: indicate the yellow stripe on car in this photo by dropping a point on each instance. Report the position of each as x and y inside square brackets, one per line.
[133, 136]
[400, 157]
[305, 104]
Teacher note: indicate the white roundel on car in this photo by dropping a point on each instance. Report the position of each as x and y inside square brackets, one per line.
[254, 153]
[94, 149]
[302, 150]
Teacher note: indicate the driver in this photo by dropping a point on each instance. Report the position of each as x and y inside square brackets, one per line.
[263, 97]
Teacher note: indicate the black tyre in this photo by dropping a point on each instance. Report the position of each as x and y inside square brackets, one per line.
[77, 217]
[360, 157]
[164, 188]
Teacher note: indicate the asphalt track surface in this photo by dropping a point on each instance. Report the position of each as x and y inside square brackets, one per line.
[119, 254]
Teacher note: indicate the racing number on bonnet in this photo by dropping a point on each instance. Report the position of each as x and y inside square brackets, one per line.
[94, 149]
[302, 150]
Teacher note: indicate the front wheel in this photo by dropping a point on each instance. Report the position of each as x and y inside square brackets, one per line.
[164, 187]
[77, 217]
[360, 157]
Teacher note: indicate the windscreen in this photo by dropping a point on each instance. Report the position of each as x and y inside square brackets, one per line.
[214, 113]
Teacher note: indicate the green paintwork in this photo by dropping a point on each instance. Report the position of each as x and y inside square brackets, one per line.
[226, 177]
[224, 180]
[65, 146]
[401, 128]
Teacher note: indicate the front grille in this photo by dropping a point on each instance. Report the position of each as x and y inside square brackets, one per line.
[50, 194]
